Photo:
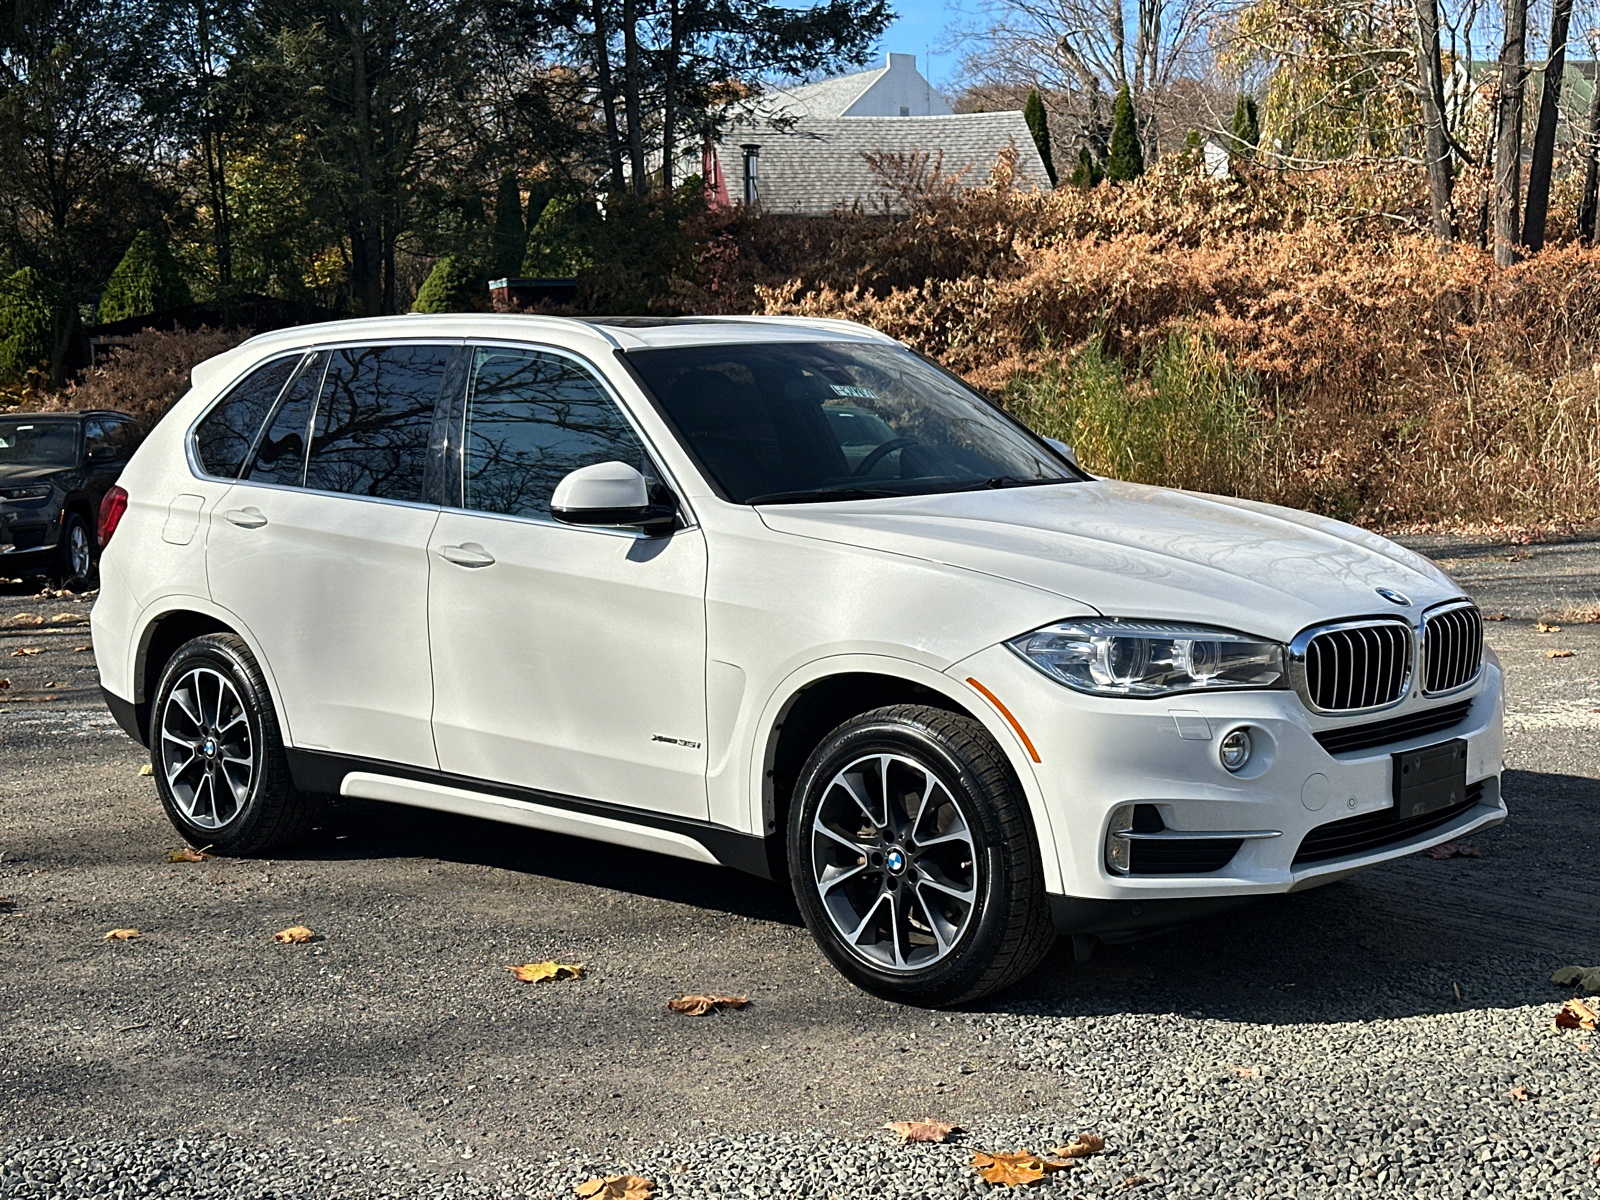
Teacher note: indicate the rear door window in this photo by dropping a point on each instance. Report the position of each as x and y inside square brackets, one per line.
[280, 458]
[222, 441]
[371, 434]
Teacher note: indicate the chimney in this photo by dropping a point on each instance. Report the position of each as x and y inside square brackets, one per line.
[906, 62]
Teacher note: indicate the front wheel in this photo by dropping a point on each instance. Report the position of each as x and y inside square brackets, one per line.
[74, 564]
[218, 755]
[913, 859]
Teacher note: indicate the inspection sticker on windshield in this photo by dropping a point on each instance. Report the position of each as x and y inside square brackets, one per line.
[855, 393]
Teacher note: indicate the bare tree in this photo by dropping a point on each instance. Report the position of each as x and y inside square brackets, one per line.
[1544, 137]
[1436, 139]
[1591, 165]
[1508, 135]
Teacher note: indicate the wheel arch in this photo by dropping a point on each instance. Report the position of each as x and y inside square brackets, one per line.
[163, 631]
[823, 695]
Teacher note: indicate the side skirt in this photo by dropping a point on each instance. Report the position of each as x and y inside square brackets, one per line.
[681, 837]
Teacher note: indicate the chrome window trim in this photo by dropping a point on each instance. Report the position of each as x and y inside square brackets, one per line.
[1296, 665]
[305, 491]
[1422, 647]
[691, 521]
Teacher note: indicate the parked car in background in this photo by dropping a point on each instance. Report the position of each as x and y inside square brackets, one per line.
[778, 594]
[55, 469]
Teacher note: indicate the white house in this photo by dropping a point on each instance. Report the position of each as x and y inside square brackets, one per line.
[806, 149]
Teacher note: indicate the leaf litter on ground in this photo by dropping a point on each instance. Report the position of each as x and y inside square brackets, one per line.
[25, 651]
[147, 769]
[120, 935]
[294, 935]
[1559, 653]
[1578, 1014]
[1014, 1170]
[699, 1006]
[922, 1131]
[188, 854]
[542, 972]
[1080, 1145]
[616, 1187]
[1587, 978]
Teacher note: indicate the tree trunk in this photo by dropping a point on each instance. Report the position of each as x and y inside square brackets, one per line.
[669, 106]
[608, 91]
[631, 94]
[366, 251]
[1440, 176]
[216, 163]
[1508, 136]
[1591, 172]
[1544, 137]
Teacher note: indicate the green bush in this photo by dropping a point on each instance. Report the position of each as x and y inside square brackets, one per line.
[27, 325]
[1087, 173]
[561, 242]
[1126, 159]
[1246, 128]
[451, 286]
[510, 235]
[1039, 125]
[147, 280]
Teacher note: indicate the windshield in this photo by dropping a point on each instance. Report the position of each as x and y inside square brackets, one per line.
[38, 444]
[792, 422]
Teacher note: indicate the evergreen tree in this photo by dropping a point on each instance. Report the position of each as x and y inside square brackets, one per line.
[147, 280]
[1038, 125]
[510, 235]
[1087, 173]
[1126, 160]
[561, 241]
[1246, 128]
[449, 287]
[26, 324]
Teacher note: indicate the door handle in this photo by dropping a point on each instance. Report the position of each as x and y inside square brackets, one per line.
[468, 554]
[245, 518]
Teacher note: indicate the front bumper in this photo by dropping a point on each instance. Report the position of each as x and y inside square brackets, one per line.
[1097, 753]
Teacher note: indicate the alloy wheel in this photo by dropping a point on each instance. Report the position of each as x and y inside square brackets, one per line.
[78, 552]
[894, 862]
[207, 752]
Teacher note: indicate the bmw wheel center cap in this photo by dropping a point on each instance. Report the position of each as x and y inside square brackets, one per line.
[895, 860]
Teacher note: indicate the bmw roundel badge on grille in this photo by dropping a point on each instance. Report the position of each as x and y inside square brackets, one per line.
[1394, 597]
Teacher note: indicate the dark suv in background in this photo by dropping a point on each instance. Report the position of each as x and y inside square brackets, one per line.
[55, 468]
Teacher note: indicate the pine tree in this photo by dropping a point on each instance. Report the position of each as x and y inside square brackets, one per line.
[1246, 129]
[510, 235]
[1126, 160]
[148, 280]
[449, 287]
[1087, 173]
[26, 325]
[1038, 125]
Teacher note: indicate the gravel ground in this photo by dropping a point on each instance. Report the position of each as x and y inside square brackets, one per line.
[1362, 1039]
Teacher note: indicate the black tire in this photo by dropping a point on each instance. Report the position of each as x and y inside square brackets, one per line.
[1007, 930]
[74, 562]
[242, 816]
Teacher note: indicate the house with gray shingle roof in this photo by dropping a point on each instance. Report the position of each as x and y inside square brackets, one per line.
[809, 149]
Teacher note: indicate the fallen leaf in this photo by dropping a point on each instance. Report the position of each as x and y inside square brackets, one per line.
[5, 685]
[1567, 976]
[1576, 1014]
[1541, 627]
[922, 1131]
[25, 619]
[1520, 1093]
[189, 854]
[121, 935]
[25, 651]
[539, 972]
[1559, 653]
[1133, 1181]
[294, 935]
[1244, 1072]
[147, 769]
[1081, 1145]
[616, 1187]
[1014, 1170]
[82, 649]
[69, 619]
[1494, 616]
[1456, 988]
[699, 1006]
[1453, 850]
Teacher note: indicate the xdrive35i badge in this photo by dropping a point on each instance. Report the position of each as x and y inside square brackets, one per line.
[1393, 597]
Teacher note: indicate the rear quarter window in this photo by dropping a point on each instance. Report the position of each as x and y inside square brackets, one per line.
[224, 438]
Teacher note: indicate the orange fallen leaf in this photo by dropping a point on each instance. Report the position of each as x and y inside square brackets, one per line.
[1014, 1170]
[1133, 1181]
[69, 619]
[616, 1187]
[25, 651]
[1453, 850]
[541, 971]
[1559, 653]
[922, 1131]
[1081, 1145]
[1541, 627]
[1578, 1014]
[699, 1006]
[190, 854]
[1520, 1093]
[25, 619]
[294, 935]
[81, 649]
[121, 935]
[1494, 616]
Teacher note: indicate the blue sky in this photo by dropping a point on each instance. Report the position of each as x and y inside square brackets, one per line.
[920, 28]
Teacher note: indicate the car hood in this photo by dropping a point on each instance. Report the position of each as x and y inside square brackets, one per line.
[1128, 550]
[16, 476]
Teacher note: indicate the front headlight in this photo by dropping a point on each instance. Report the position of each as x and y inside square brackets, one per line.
[1151, 658]
[35, 491]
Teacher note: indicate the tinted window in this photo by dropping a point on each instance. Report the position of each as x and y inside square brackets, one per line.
[224, 437]
[34, 443]
[371, 433]
[281, 457]
[533, 418]
[819, 421]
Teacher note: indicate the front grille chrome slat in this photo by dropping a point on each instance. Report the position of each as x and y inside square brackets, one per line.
[1352, 666]
[1453, 640]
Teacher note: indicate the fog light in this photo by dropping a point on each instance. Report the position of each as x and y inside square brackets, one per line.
[1234, 750]
[1119, 850]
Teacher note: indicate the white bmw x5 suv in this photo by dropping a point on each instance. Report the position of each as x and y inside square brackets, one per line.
[782, 595]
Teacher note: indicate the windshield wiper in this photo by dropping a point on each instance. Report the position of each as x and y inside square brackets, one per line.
[999, 481]
[818, 495]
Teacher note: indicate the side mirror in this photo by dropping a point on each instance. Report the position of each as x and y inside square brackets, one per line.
[611, 495]
[102, 454]
[1064, 450]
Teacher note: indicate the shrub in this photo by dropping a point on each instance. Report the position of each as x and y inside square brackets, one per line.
[1039, 125]
[147, 280]
[27, 325]
[1126, 159]
[150, 372]
[1246, 128]
[510, 234]
[451, 286]
[1087, 173]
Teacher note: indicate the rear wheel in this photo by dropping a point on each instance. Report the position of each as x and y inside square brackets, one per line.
[74, 562]
[218, 755]
[913, 859]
